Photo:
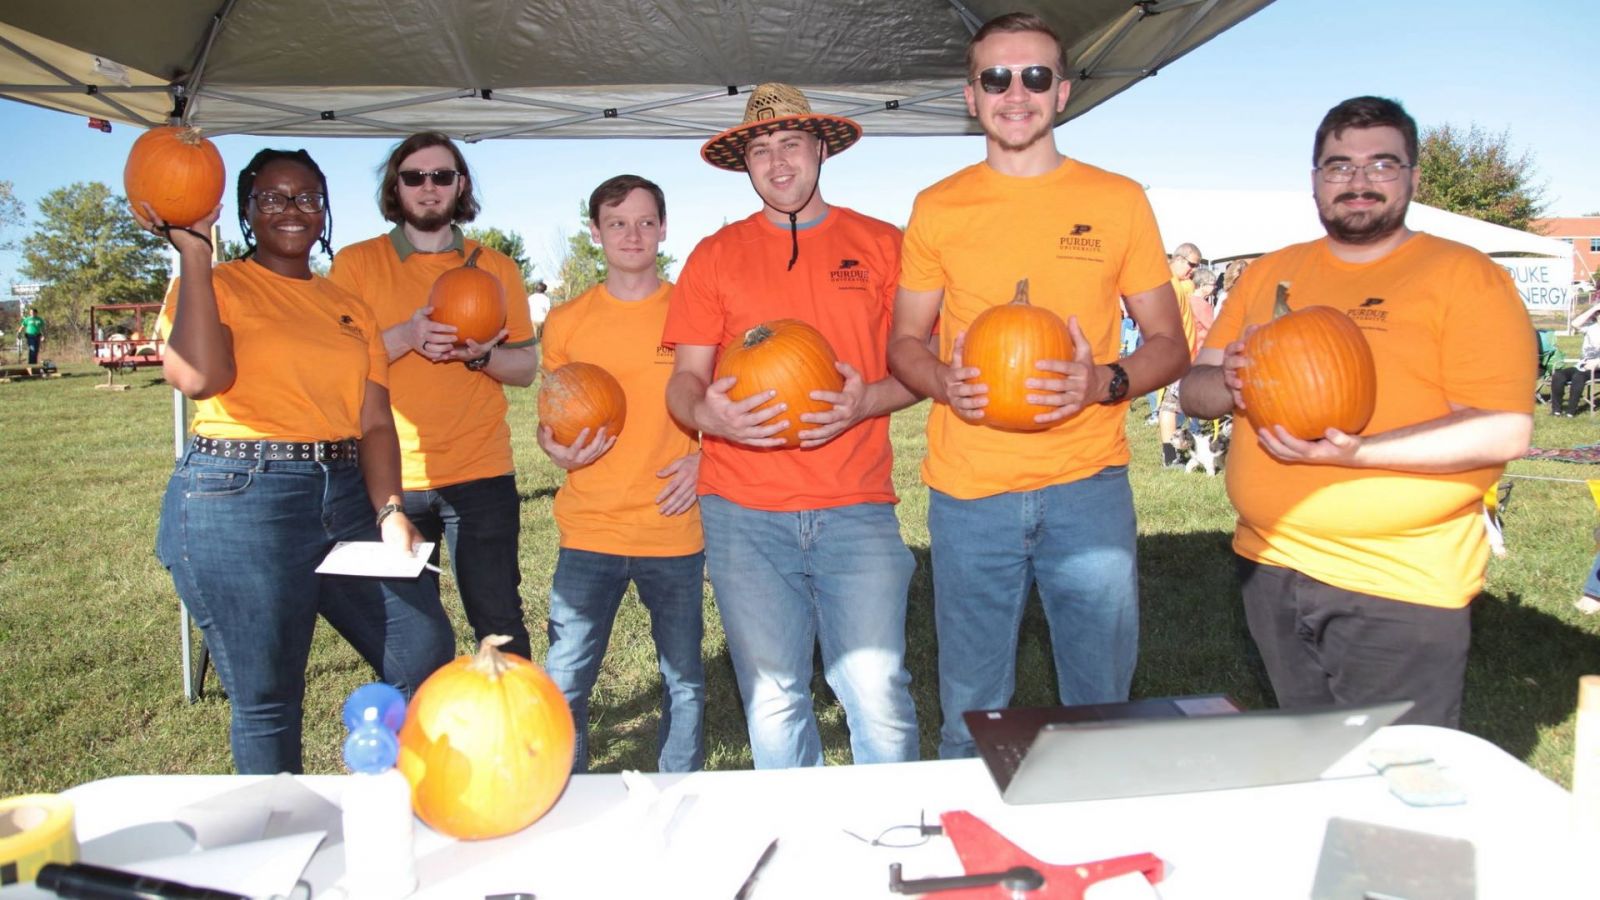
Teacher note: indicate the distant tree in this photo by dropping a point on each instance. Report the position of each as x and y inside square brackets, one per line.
[584, 264]
[507, 242]
[1477, 173]
[12, 214]
[88, 251]
[233, 250]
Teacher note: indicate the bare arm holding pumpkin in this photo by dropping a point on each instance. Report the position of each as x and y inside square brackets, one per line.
[1212, 387]
[699, 403]
[199, 357]
[420, 335]
[1462, 439]
[585, 449]
[914, 362]
[856, 401]
[1159, 361]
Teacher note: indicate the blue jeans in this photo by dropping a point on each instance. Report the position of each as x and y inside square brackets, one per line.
[584, 596]
[242, 540]
[784, 580]
[480, 522]
[1077, 540]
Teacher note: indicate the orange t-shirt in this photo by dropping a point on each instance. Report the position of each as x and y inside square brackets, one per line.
[1446, 326]
[1184, 288]
[843, 285]
[303, 352]
[450, 419]
[1082, 237]
[609, 506]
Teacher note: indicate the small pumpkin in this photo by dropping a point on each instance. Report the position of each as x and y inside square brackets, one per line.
[582, 395]
[487, 744]
[790, 357]
[175, 170]
[471, 299]
[1005, 343]
[1308, 370]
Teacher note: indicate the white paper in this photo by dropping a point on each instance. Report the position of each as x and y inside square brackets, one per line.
[267, 868]
[374, 559]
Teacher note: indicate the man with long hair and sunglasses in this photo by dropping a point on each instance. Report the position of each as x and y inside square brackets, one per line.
[1359, 554]
[449, 406]
[1008, 509]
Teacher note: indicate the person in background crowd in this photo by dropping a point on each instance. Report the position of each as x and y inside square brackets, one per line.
[294, 450]
[1184, 264]
[1572, 379]
[538, 307]
[33, 332]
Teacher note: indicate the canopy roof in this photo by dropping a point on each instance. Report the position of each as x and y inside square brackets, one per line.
[1230, 224]
[517, 68]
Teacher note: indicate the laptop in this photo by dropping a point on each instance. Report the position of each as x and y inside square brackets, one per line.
[1167, 746]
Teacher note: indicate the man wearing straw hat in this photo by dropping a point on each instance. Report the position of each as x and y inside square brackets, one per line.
[1008, 509]
[802, 543]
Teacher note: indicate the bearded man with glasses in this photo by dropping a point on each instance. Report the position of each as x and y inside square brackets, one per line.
[449, 406]
[1009, 508]
[1359, 554]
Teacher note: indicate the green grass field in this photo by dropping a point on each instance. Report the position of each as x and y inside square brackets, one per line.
[90, 682]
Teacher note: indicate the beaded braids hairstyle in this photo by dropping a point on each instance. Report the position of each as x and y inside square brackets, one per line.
[1367, 112]
[389, 185]
[247, 183]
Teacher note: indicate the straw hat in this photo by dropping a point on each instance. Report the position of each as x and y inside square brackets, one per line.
[777, 107]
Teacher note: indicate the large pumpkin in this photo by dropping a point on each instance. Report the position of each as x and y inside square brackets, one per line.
[790, 357]
[1005, 343]
[176, 171]
[471, 299]
[487, 745]
[581, 395]
[1308, 370]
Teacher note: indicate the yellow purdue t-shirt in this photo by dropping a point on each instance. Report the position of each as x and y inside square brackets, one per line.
[303, 352]
[1082, 237]
[451, 420]
[1446, 326]
[609, 506]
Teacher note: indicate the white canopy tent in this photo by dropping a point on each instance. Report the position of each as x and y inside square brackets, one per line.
[480, 69]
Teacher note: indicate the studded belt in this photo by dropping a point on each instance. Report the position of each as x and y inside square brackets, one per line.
[312, 451]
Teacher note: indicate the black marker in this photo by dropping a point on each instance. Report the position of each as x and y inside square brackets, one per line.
[81, 881]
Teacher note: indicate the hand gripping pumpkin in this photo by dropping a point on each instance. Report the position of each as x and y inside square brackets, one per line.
[1005, 343]
[471, 299]
[790, 357]
[1308, 370]
[487, 745]
[581, 395]
[176, 171]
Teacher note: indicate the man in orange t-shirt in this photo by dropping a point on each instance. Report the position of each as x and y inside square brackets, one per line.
[1008, 508]
[1360, 553]
[801, 543]
[449, 408]
[627, 511]
[1184, 262]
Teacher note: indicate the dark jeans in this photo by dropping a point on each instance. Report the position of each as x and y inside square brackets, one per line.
[33, 348]
[584, 597]
[242, 540]
[480, 521]
[1572, 380]
[1323, 645]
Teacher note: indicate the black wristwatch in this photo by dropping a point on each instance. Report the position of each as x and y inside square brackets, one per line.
[477, 365]
[1118, 388]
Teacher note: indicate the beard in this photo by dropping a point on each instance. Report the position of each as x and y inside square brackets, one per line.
[434, 220]
[1368, 226]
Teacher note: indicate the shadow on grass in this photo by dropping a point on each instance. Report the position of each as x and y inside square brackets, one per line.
[1522, 675]
[539, 493]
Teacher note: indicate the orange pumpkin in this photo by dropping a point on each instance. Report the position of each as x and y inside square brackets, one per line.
[581, 395]
[1308, 370]
[487, 744]
[471, 299]
[176, 171]
[790, 357]
[1005, 343]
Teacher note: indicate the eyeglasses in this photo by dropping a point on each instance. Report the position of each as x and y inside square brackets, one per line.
[439, 177]
[997, 79]
[1382, 170]
[272, 202]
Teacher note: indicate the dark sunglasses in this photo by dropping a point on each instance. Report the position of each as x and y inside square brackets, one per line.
[997, 79]
[439, 177]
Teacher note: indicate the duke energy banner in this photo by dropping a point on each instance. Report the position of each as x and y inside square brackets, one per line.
[1545, 284]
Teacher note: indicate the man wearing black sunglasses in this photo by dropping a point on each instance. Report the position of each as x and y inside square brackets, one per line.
[1010, 508]
[450, 409]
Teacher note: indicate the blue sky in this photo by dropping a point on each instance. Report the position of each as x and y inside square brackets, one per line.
[1238, 113]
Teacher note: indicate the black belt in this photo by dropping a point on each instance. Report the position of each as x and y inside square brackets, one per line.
[312, 451]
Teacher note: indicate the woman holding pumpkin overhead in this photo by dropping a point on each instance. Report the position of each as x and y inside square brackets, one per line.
[294, 450]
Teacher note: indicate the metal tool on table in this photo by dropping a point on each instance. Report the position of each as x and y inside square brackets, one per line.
[995, 868]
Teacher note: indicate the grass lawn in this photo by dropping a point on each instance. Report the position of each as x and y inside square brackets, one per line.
[89, 664]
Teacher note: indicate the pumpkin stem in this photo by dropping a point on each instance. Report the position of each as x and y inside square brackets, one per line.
[1021, 296]
[756, 335]
[490, 661]
[190, 136]
[1280, 305]
[472, 261]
